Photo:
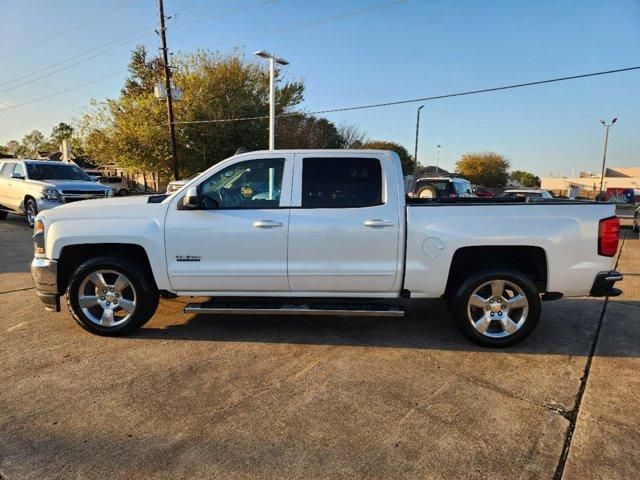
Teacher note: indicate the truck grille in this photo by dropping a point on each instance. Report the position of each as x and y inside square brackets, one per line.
[69, 196]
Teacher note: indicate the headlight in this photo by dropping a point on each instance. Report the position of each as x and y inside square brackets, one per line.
[38, 239]
[51, 194]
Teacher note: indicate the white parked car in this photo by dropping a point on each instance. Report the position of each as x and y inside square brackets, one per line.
[442, 187]
[176, 185]
[118, 185]
[532, 193]
[31, 186]
[322, 232]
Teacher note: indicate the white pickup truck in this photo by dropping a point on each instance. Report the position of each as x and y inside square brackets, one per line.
[319, 232]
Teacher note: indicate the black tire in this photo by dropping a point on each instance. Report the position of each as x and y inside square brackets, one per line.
[123, 192]
[145, 295]
[491, 314]
[3, 213]
[30, 211]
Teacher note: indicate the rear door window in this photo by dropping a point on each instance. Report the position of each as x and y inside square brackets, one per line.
[341, 182]
[7, 170]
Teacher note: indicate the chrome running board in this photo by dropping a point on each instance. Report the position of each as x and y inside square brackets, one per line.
[347, 310]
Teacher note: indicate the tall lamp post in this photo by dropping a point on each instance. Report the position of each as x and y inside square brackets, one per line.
[438, 158]
[604, 156]
[415, 153]
[273, 59]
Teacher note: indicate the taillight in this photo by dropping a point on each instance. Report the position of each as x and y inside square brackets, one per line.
[608, 234]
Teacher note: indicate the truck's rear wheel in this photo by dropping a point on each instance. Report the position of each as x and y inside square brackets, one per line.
[110, 296]
[496, 307]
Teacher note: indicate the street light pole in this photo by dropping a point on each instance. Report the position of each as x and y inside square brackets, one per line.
[604, 155]
[438, 158]
[273, 59]
[415, 154]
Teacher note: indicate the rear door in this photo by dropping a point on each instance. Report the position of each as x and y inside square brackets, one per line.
[344, 226]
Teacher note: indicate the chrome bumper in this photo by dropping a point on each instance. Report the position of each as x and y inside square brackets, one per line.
[45, 276]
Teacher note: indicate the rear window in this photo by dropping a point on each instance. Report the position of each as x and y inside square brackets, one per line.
[443, 186]
[341, 182]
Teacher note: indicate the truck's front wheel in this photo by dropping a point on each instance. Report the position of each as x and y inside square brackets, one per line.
[496, 307]
[111, 296]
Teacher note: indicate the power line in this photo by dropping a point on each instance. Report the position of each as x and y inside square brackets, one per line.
[146, 31]
[33, 80]
[53, 65]
[322, 20]
[423, 99]
[199, 7]
[65, 32]
[228, 12]
[10, 107]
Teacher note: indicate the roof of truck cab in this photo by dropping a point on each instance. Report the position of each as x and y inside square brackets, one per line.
[330, 150]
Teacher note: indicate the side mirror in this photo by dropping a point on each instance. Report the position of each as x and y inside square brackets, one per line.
[17, 176]
[191, 200]
[473, 190]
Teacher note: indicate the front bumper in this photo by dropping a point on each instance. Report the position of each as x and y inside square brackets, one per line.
[45, 276]
[603, 285]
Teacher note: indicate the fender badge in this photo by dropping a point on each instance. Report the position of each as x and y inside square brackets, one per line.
[187, 258]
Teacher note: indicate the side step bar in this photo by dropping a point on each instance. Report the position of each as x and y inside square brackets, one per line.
[347, 310]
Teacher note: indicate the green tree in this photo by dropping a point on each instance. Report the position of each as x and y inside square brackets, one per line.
[408, 165]
[526, 179]
[131, 130]
[13, 147]
[33, 141]
[306, 131]
[60, 132]
[488, 169]
[144, 72]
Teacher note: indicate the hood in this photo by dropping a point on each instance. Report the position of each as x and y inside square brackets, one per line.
[115, 207]
[84, 185]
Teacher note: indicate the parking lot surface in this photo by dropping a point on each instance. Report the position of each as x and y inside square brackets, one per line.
[272, 397]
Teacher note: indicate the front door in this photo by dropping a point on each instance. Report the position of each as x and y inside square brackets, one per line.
[237, 241]
[344, 227]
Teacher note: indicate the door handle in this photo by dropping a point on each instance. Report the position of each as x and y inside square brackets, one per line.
[267, 224]
[377, 223]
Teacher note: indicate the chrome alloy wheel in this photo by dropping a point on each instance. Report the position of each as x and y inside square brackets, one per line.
[497, 308]
[107, 298]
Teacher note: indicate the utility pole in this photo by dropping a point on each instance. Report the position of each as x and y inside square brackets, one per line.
[167, 84]
[604, 155]
[415, 154]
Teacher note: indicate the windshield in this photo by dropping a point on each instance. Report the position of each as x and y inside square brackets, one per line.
[55, 171]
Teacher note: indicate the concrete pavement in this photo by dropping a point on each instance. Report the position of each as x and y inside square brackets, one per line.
[273, 397]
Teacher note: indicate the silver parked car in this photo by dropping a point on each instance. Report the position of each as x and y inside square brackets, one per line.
[30, 186]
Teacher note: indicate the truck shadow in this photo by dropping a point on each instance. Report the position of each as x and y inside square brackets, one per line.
[567, 327]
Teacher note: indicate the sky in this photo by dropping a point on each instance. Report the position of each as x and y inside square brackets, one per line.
[403, 50]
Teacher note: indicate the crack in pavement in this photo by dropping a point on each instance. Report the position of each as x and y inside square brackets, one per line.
[573, 416]
[18, 290]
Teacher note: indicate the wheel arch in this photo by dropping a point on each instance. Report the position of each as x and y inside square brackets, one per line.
[72, 256]
[529, 260]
